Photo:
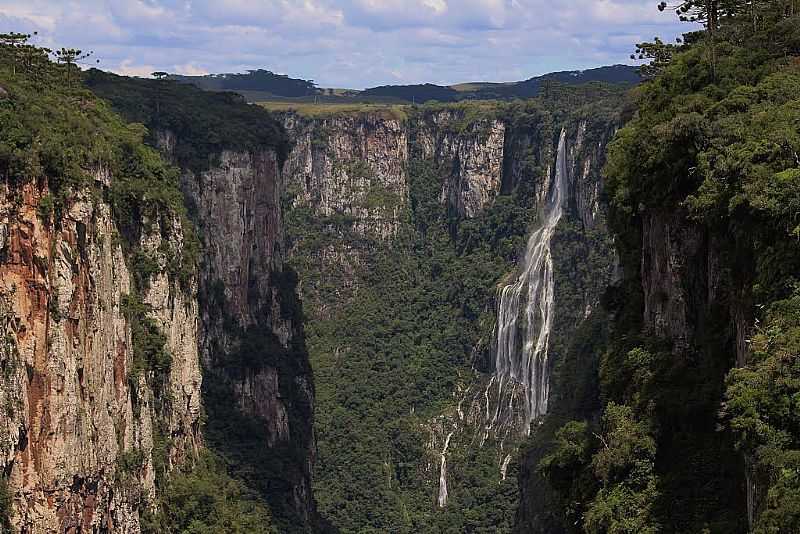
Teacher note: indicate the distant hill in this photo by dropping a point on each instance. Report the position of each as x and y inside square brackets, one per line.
[414, 93]
[263, 85]
[618, 74]
[261, 81]
[623, 74]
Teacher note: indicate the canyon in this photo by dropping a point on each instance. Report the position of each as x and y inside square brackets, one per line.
[268, 218]
[570, 313]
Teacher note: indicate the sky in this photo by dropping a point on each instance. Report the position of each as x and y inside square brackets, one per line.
[347, 43]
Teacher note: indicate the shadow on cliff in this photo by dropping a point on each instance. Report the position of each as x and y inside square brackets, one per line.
[266, 437]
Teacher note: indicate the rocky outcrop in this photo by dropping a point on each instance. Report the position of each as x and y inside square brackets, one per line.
[79, 421]
[352, 166]
[471, 154]
[682, 284]
[356, 165]
[586, 153]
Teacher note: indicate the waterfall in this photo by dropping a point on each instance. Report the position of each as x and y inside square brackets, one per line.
[442, 500]
[525, 316]
[504, 466]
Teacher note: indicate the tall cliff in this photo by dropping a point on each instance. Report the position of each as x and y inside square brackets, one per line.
[401, 225]
[258, 390]
[252, 341]
[148, 350]
[100, 375]
[84, 426]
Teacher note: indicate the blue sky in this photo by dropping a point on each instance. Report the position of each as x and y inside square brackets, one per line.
[347, 43]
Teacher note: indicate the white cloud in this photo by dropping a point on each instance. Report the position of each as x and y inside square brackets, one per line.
[129, 68]
[189, 69]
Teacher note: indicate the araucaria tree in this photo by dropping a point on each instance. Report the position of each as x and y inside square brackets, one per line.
[70, 57]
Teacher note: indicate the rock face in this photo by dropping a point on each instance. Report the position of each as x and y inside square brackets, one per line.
[81, 429]
[351, 166]
[94, 412]
[78, 424]
[357, 165]
[251, 339]
[471, 151]
[683, 284]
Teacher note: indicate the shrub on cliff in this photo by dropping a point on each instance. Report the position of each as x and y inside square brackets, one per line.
[206, 500]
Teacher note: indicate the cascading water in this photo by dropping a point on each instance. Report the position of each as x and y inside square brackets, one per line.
[442, 499]
[525, 316]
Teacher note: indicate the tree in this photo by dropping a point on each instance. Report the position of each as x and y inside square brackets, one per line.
[762, 408]
[15, 41]
[703, 11]
[659, 53]
[706, 12]
[625, 465]
[566, 469]
[70, 57]
[161, 76]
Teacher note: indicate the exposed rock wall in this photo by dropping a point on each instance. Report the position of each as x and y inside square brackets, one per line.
[249, 305]
[356, 165]
[471, 153]
[353, 166]
[684, 286]
[73, 410]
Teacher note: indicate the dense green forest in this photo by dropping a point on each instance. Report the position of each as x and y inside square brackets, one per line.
[259, 80]
[690, 439]
[388, 360]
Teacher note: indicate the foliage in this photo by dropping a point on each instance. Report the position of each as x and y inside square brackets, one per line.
[565, 468]
[130, 463]
[624, 463]
[61, 135]
[312, 110]
[203, 123]
[394, 324]
[150, 355]
[658, 53]
[45, 209]
[762, 406]
[253, 80]
[397, 348]
[206, 500]
[413, 93]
